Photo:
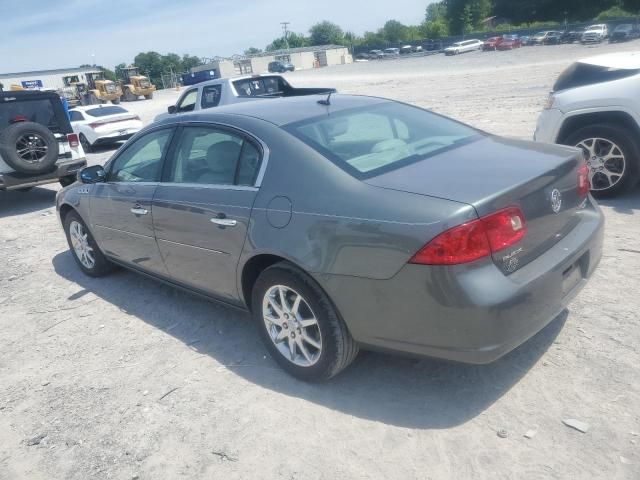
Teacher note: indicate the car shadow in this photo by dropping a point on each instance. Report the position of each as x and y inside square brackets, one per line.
[413, 393]
[625, 204]
[14, 202]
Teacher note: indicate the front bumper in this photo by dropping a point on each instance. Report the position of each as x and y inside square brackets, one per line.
[468, 313]
[17, 180]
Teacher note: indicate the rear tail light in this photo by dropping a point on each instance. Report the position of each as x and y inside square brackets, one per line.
[73, 140]
[583, 180]
[95, 125]
[474, 240]
[136, 117]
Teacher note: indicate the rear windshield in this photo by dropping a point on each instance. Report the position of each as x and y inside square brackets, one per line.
[103, 111]
[581, 74]
[371, 140]
[260, 86]
[38, 110]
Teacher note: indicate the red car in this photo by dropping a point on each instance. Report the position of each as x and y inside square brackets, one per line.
[509, 42]
[492, 43]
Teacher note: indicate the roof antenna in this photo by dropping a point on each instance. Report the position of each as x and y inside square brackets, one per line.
[326, 101]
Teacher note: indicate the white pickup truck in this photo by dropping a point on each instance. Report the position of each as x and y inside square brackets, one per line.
[225, 91]
[37, 143]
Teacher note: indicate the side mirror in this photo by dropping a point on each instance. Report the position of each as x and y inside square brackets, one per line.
[94, 174]
[172, 109]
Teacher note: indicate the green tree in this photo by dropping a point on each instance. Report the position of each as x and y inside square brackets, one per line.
[435, 29]
[326, 33]
[252, 51]
[394, 31]
[189, 61]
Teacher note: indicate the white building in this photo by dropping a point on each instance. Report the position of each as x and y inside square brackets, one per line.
[302, 58]
[45, 79]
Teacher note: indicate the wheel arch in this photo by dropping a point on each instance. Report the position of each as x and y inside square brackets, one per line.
[65, 208]
[254, 266]
[613, 117]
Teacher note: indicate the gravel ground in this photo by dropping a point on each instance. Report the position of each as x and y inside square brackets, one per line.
[123, 378]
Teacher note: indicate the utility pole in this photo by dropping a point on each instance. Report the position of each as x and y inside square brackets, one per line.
[285, 31]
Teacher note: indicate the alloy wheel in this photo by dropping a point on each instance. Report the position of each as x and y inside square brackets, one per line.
[80, 242]
[292, 326]
[31, 148]
[605, 160]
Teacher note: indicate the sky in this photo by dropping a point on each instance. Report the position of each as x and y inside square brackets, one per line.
[47, 34]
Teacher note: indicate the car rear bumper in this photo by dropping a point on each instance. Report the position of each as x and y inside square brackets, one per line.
[468, 313]
[112, 138]
[16, 180]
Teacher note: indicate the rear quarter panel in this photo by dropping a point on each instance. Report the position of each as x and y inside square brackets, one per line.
[313, 213]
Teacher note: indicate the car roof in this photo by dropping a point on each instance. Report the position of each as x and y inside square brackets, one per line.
[282, 111]
[84, 108]
[621, 60]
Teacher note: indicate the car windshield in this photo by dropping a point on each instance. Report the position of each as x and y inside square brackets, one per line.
[104, 111]
[371, 140]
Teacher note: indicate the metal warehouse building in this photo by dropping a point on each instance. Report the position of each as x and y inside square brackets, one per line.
[44, 79]
[302, 58]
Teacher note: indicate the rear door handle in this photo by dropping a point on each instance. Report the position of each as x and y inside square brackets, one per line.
[225, 222]
[138, 210]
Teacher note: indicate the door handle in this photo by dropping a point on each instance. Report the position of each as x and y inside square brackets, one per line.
[225, 222]
[138, 210]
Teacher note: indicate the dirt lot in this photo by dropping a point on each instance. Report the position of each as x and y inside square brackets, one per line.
[125, 378]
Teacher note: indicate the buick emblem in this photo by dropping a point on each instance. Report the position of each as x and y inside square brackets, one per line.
[556, 200]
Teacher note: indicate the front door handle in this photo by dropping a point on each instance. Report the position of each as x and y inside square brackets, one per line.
[225, 222]
[138, 210]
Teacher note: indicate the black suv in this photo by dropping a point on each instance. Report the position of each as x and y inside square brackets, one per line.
[37, 143]
[280, 67]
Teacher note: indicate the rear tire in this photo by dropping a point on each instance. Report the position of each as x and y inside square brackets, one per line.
[129, 96]
[626, 159]
[84, 249]
[115, 101]
[149, 96]
[315, 319]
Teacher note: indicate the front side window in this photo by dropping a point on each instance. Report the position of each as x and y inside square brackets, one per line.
[211, 96]
[210, 156]
[188, 102]
[371, 140]
[142, 160]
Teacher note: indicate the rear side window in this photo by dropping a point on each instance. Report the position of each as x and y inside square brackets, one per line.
[259, 87]
[104, 111]
[582, 74]
[76, 116]
[211, 96]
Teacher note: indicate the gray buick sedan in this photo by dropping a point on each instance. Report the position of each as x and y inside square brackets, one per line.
[346, 222]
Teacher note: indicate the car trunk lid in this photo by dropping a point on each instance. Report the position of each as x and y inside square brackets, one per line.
[494, 173]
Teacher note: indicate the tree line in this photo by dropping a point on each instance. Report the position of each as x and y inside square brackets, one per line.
[441, 19]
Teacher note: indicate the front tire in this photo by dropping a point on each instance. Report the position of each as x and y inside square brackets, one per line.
[613, 157]
[149, 96]
[84, 249]
[299, 325]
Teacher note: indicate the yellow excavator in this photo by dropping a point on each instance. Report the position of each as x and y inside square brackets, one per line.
[134, 85]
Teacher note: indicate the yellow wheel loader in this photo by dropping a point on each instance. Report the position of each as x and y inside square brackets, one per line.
[134, 85]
